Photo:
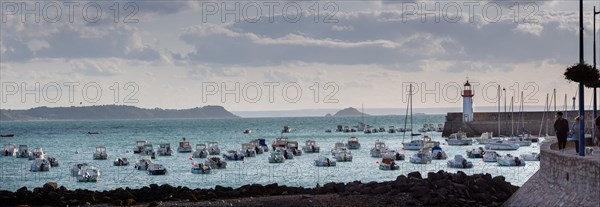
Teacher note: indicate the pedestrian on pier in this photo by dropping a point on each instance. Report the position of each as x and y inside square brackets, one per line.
[561, 129]
[575, 133]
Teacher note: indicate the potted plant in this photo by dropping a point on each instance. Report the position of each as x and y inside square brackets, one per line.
[582, 73]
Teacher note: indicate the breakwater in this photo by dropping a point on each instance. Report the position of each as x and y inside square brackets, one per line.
[439, 188]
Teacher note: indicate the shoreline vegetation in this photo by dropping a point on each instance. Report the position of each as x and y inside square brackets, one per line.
[438, 189]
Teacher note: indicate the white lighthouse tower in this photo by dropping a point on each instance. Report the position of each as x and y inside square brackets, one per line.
[467, 103]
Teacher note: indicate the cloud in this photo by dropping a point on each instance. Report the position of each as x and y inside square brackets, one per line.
[533, 29]
[108, 67]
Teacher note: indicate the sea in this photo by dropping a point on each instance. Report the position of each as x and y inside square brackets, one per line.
[70, 143]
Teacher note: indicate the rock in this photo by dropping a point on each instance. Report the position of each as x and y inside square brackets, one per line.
[340, 188]
[381, 189]
[432, 177]
[414, 175]
[117, 202]
[284, 193]
[53, 196]
[235, 193]
[329, 187]
[419, 191]
[130, 202]
[50, 186]
[152, 204]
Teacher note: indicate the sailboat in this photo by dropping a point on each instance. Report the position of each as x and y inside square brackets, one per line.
[413, 144]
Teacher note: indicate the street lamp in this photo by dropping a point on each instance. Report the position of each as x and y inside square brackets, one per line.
[595, 111]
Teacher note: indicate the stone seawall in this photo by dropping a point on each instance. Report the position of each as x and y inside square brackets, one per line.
[532, 121]
[562, 180]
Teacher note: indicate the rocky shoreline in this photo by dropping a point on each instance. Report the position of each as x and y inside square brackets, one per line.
[438, 189]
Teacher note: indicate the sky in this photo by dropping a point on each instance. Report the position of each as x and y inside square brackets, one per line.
[288, 55]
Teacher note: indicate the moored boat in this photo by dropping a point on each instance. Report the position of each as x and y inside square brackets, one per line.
[248, 150]
[378, 149]
[292, 147]
[100, 153]
[121, 161]
[213, 148]
[459, 162]
[149, 151]
[521, 141]
[323, 161]
[39, 165]
[475, 152]
[139, 146]
[459, 139]
[491, 156]
[201, 151]
[533, 156]
[421, 157]
[164, 149]
[353, 143]
[215, 163]
[416, 144]
[388, 164]
[261, 145]
[88, 174]
[276, 157]
[233, 155]
[343, 155]
[10, 150]
[184, 146]
[23, 151]
[502, 145]
[311, 147]
[201, 168]
[143, 164]
[279, 142]
[53, 162]
[392, 154]
[157, 169]
[509, 160]
[76, 167]
[37, 152]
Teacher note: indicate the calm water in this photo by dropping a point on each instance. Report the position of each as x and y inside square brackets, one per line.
[61, 139]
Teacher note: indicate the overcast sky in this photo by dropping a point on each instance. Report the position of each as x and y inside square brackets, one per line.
[181, 54]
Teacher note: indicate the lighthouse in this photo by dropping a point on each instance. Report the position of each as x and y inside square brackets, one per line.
[467, 103]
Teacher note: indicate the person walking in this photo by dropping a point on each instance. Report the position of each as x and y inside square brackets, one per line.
[575, 133]
[561, 128]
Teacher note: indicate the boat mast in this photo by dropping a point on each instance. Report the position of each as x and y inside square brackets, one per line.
[522, 108]
[543, 116]
[405, 122]
[512, 117]
[411, 113]
[499, 110]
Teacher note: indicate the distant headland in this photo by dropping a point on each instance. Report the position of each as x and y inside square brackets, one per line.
[348, 112]
[112, 112]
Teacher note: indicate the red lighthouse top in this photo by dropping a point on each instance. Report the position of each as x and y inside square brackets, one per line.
[467, 92]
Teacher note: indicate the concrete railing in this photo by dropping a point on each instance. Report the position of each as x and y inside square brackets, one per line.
[562, 180]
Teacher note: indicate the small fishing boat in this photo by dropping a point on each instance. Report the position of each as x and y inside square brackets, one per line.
[164, 149]
[438, 154]
[459, 139]
[328, 131]
[509, 160]
[23, 151]
[353, 143]
[486, 138]
[76, 168]
[421, 157]
[343, 155]
[491, 156]
[37, 152]
[157, 169]
[7, 135]
[139, 147]
[143, 164]
[248, 150]
[184, 146]
[39, 165]
[323, 161]
[440, 128]
[260, 144]
[201, 151]
[378, 149]
[311, 147]
[286, 129]
[93, 132]
[100, 153]
[521, 141]
[339, 128]
[213, 148]
[391, 129]
[336, 147]
[475, 152]
[121, 161]
[247, 131]
[460, 162]
[10, 150]
[534, 156]
[502, 145]
[215, 163]
[276, 157]
[388, 164]
[88, 174]
[292, 147]
[286, 153]
[233, 155]
[149, 151]
[279, 142]
[201, 168]
[53, 162]
[416, 144]
[392, 154]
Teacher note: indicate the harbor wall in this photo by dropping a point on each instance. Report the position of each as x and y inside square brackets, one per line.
[562, 180]
[531, 121]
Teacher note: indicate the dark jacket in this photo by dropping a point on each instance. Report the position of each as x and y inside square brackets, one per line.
[561, 127]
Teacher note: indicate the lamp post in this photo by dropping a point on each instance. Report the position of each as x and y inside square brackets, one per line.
[581, 91]
[505, 114]
[595, 111]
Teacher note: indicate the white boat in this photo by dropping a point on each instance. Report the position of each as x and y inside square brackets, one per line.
[23, 151]
[37, 152]
[459, 139]
[391, 129]
[287, 154]
[413, 145]
[247, 131]
[522, 142]
[475, 152]
[509, 160]
[378, 149]
[149, 151]
[143, 164]
[428, 143]
[279, 142]
[261, 144]
[257, 148]
[388, 164]
[164, 149]
[233, 155]
[323, 161]
[184, 147]
[157, 169]
[392, 154]
[421, 157]
[486, 138]
[490, 156]
[201, 168]
[353, 143]
[459, 162]
[311, 147]
[276, 157]
[502, 145]
[534, 156]
[100, 153]
[343, 155]
[10, 150]
[201, 151]
[53, 161]
[286, 129]
[248, 150]
[88, 174]
[215, 163]
[139, 146]
[213, 148]
[294, 148]
[440, 128]
[76, 167]
[39, 165]
[336, 147]
[121, 161]
[438, 154]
